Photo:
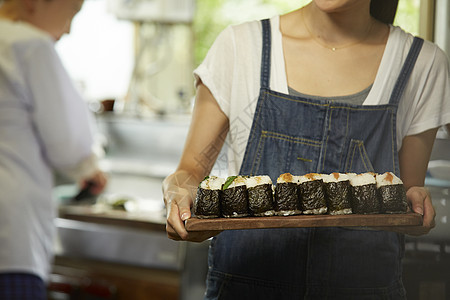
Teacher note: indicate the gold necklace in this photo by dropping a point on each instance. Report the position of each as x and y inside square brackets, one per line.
[335, 48]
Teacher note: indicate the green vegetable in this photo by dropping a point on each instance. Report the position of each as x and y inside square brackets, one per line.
[119, 204]
[227, 183]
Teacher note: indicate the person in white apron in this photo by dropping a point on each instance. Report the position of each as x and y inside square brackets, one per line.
[45, 127]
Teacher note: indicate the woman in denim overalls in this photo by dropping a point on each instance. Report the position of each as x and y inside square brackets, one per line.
[300, 135]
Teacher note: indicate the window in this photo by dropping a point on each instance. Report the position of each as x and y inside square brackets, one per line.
[98, 53]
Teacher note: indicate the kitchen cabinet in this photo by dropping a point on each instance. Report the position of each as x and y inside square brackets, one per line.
[125, 281]
[91, 249]
[128, 252]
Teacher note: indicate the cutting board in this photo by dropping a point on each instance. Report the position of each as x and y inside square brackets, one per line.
[376, 220]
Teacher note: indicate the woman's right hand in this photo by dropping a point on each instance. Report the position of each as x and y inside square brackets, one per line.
[179, 190]
[178, 198]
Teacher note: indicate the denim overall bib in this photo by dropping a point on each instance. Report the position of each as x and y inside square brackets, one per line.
[298, 135]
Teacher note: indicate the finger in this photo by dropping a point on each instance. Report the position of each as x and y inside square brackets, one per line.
[174, 221]
[184, 209]
[416, 198]
[420, 200]
[171, 233]
[429, 214]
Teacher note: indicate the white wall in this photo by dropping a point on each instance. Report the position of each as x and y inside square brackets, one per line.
[98, 53]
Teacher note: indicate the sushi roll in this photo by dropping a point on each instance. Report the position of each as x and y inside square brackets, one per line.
[286, 196]
[260, 195]
[338, 193]
[392, 193]
[312, 194]
[234, 200]
[364, 194]
[207, 201]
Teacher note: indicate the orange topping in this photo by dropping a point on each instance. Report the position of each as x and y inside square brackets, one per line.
[287, 177]
[336, 175]
[311, 176]
[389, 177]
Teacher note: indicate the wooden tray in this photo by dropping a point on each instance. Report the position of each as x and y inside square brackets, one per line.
[376, 220]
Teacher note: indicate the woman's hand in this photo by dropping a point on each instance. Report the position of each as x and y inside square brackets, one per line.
[179, 190]
[419, 200]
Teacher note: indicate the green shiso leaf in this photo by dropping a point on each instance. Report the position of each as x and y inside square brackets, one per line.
[227, 183]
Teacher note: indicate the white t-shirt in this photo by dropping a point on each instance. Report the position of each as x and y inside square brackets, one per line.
[44, 126]
[231, 70]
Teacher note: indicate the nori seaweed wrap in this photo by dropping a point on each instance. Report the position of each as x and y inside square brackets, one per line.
[234, 200]
[338, 193]
[286, 196]
[260, 195]
[207, 201]
[364, 194]
[392, 194]
[312, 194]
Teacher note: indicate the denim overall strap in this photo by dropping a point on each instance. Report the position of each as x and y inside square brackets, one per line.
[266, 50]
[406, 70]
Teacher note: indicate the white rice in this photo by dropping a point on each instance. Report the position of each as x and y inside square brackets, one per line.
[387, 178]
[254, 181]
[285, 213]
[316, 211]
[212, 183]
[362, 179]
[335, 177]
[267, 213]
[345, 211]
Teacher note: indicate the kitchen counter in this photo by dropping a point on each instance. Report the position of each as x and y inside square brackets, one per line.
[102, 214]
[130, 250]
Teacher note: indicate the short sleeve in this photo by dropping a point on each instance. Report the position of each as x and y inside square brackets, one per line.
[216, 70]
[432, 108]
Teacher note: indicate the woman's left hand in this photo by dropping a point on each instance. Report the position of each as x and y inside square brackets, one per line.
[419, 201]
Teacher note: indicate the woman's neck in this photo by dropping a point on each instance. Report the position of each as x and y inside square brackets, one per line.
[338, 27]
[341, 49]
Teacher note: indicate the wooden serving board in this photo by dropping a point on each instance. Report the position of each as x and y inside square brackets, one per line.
[353, 220]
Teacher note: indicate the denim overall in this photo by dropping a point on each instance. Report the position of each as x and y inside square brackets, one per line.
[299, 135]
